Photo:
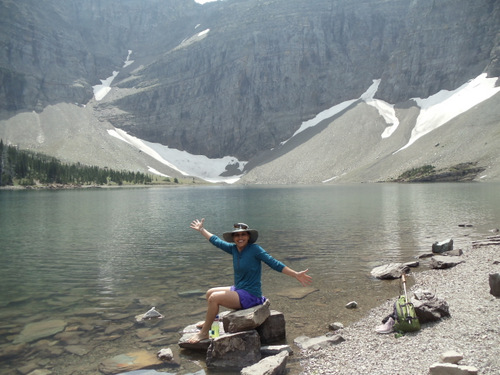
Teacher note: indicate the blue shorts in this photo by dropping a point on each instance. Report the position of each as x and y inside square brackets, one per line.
[248, 300]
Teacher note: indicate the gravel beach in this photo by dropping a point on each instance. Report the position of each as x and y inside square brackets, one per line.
[472, 330]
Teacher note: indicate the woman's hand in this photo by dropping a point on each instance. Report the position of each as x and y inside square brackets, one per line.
[301, 276]
[304, 278]
[197, 224]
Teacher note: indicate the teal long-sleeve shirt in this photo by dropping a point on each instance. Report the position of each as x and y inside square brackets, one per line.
[247, 264]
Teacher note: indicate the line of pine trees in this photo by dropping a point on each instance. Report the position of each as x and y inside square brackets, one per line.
[28, 168]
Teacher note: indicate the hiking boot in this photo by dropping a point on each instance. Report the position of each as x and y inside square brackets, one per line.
[387, 327]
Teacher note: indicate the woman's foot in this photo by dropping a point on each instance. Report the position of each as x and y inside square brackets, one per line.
[196, 338]
[199, 325]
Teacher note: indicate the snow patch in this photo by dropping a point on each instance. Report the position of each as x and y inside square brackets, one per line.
[156, 172]
[100, 91]
[438, 109]
[185, 163]
[327, 113]
[128, 61]
[384, 109]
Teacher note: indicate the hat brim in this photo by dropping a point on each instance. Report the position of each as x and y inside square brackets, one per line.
[228, 236]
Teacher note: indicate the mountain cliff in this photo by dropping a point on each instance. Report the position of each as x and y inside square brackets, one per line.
[236, 77]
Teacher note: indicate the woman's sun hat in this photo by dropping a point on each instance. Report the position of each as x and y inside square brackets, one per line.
[241, 227]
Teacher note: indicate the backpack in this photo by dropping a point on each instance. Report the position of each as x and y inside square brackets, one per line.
[406, 316]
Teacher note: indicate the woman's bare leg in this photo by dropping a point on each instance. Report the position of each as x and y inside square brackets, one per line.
[209, 292]
[216, 297]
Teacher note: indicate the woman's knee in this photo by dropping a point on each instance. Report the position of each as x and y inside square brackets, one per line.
[217, 289]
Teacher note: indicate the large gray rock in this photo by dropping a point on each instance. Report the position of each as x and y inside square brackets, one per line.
[390, 271]
[189, 332]
[494, 280]
[443, 246]
[234, 351]
[442, 262]
[273, 329]
[429, 308]
[274, 365]
[247, 319]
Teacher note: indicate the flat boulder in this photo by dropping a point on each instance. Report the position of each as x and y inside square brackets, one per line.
[247, 319]
[390, 271]
[451, 369]
[189, 332]
[443, 262]
[305, 343]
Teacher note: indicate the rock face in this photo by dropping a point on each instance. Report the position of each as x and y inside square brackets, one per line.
[245, 79]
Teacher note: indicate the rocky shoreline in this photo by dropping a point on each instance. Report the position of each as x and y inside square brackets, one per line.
[472, 330]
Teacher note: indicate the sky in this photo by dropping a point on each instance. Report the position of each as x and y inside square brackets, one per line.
[435, 111]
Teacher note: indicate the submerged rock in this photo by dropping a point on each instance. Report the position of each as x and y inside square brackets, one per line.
[141, 359]
[39, 330]
[298, 293]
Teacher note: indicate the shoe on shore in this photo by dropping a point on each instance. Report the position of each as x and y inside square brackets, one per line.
[387, 327]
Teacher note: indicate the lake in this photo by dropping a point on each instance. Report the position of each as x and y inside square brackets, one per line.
[96, 258]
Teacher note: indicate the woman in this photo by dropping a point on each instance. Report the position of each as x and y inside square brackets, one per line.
[247, 257]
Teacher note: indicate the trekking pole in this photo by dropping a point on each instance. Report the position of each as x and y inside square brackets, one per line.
[408, 316]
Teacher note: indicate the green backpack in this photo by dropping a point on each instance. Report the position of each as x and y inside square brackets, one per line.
[406, 317]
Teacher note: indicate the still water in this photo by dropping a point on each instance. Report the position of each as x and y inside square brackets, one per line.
[97, 258]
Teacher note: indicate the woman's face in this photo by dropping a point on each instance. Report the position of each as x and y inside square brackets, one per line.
[241, 239]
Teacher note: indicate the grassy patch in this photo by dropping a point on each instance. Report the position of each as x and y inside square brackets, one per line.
[457, 173]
